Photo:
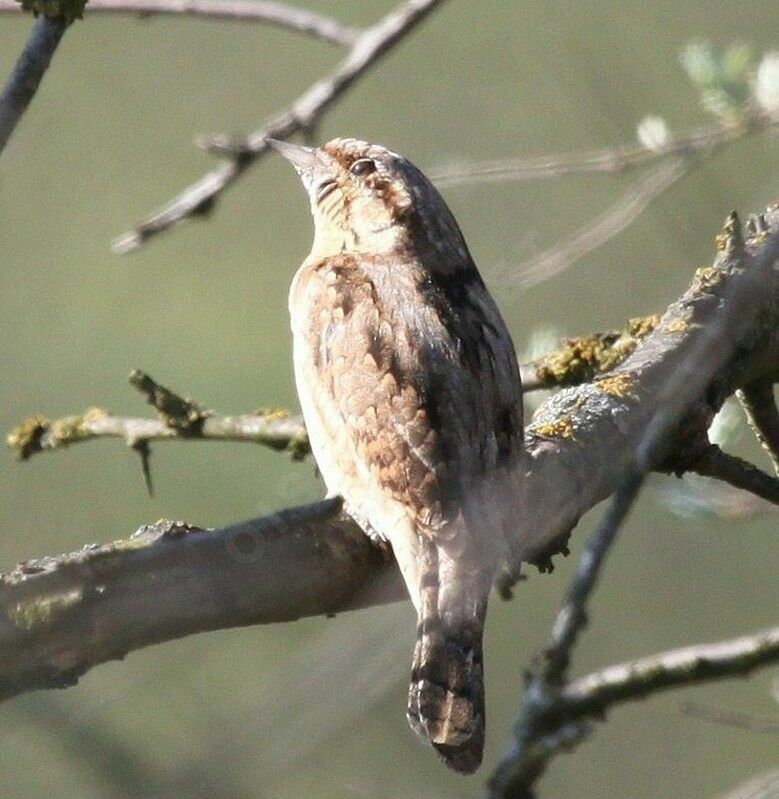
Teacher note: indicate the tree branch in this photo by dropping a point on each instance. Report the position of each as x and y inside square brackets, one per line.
[563, 718]
[594, 694]
[578, 361]
[581, 359]
[281, 14]
[688, 383]
[603, 228]
[763, 417]
[199, 198]
[713, 462]
[703, 141]
[64, 615]
[28, 72]
[275, 429]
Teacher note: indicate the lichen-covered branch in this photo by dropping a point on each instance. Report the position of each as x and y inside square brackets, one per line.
[178, 418]
[238, 156]
[676, 423]
[61, 616]
[273, 428]
[26, 76]
[580, 359]
[273, 13]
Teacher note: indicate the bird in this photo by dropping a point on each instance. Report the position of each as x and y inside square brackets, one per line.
[410, 392]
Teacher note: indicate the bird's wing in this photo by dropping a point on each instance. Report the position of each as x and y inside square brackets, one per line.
[416, 389]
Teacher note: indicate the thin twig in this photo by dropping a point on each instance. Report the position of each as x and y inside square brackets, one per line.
[275, 429]
[200, 197]
[28, 72]
[579, 360]
[594, 694]
[281, 14]
[731, 718]
[603, 228]
[713, 462]
[601, 161]
[763, 417]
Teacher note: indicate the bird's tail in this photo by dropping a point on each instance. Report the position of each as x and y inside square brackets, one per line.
[446, 696]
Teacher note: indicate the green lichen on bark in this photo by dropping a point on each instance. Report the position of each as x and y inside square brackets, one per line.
[38, 432]
[580, 359]
[56, 9]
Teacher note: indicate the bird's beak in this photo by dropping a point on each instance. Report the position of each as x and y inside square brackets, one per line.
[309, 162]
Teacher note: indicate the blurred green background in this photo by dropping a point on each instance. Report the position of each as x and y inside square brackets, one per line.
[203, 309]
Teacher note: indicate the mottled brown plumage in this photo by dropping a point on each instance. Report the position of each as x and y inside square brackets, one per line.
[409, 386]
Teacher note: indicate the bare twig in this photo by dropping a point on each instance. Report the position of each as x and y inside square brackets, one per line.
[28, 72]
[200, 197]
[763, 417]
[281, 14]
[573, 616]
[713, 462]
[603, 228]
[594, 694]
[731, 718]
[703, 141]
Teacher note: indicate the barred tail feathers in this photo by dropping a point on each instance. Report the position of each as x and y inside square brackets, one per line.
[446, 695]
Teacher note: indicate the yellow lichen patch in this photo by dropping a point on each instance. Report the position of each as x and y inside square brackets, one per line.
[559, 428]
[273, 414]
[582, 358]
[42, 610]
[128, 544]
[620, 385]
[642, 326]
[705, 278]
[94, 413]
[575, 362]
[677, 326]
[73, 428]
[618, 351]
[24, 438]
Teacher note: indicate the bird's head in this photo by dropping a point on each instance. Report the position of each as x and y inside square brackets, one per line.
[367, 199]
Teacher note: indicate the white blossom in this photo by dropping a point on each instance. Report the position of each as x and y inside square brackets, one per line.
[654, 134]
[767, 83]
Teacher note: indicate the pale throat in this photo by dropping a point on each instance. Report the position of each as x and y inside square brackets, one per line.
[332, 237]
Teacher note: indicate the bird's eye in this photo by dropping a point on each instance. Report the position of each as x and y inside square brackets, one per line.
[363, 166]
